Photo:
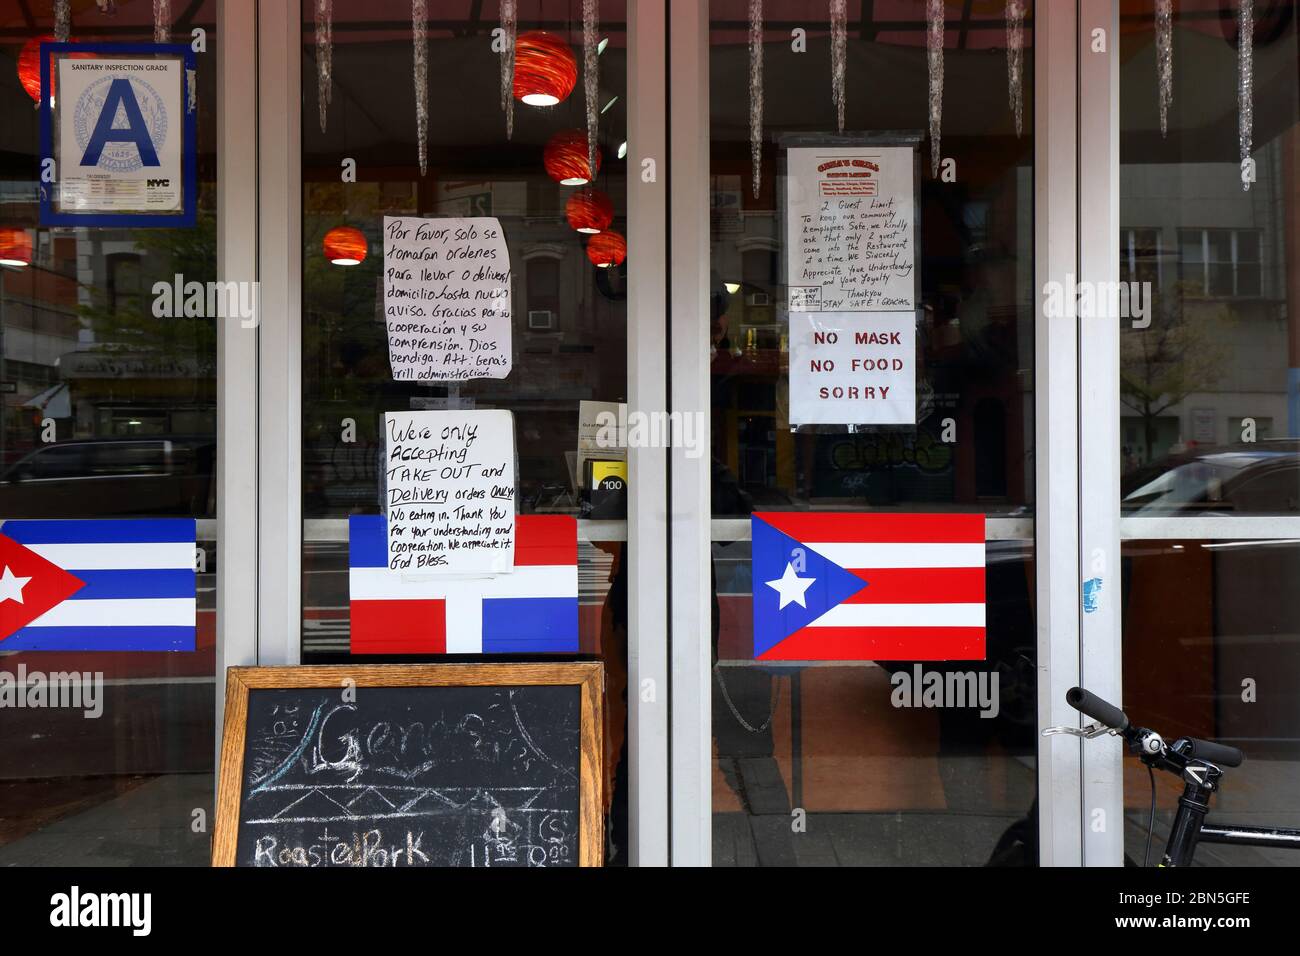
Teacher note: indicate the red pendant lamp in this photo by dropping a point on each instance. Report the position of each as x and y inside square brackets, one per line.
[545, 69]
[607, 249]
[15, 246]
[29, 68]
[345, 246]
[565, 158]
[589, 211]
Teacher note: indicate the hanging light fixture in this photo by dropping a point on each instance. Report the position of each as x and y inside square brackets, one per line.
[15, 247]
[545, 70]
[29, 68]
[607, 249]
[589, 211]
[565, 158]
[345, 246]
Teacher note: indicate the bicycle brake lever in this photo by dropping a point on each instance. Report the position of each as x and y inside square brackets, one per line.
[1088, 732]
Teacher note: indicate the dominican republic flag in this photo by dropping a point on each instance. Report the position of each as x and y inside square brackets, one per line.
[868, 587]
[530, 610]
[97, 585]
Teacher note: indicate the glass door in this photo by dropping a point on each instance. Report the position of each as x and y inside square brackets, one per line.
[1208, 404]
[871, 595]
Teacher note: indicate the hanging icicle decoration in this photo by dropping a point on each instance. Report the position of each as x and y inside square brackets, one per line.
[839, 55]
[162, 20]
[756, 93]
[509, 29]
[419, 17]
[1016, 61]
[1245, 83]
[1165, 59]
[934, 57]
[591, 75]
[62, 20]
[324, 57]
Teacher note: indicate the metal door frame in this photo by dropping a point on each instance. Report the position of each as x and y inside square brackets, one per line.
[1076, 398]
[259, 515]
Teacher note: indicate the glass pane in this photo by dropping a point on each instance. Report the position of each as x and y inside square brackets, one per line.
[882, 777]
[568, 330]
[109, 412]
[1210, 421]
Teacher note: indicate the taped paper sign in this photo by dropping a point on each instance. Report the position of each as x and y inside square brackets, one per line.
[852, 367]
[849, 229]
[850, 586]
[447, 298]
[450, 491]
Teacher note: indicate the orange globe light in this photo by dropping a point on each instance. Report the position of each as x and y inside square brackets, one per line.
[545, 70]
[345, 246]
[15, 247]
[29, 68]
[589, 211]
[565, 158]
[607, 249]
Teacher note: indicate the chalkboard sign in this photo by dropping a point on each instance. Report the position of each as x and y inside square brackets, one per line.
[411, 765]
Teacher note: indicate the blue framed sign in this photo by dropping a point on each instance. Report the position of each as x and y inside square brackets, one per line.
[118, 143]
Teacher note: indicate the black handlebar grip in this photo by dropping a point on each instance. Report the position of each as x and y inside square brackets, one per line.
[1220, 754]
[1091, 705]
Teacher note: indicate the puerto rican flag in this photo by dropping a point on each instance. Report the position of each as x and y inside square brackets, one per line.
[530, 610]
[868, 587]
[97, 585]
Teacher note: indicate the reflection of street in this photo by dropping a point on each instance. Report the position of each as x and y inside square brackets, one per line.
[142, 767]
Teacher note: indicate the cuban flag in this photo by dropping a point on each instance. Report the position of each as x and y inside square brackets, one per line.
[97, 585]
[530, 610]
[868, 587]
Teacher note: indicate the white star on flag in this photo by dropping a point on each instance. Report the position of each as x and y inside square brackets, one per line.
[791, 587]
[11, 586]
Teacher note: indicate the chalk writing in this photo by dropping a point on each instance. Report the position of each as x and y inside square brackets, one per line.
[444, 776]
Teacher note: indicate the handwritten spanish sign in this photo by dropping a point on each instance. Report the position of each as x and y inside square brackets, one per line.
[851, 279]
[447, 298]
[450, 491]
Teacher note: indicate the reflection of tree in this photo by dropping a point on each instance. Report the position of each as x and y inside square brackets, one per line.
[1183, 351]
[126, 322]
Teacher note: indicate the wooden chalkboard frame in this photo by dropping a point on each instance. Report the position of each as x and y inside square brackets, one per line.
[588, 676]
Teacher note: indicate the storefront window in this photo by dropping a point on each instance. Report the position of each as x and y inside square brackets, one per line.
[109, 418]
[828, 761]
[1209, 417]
[569, 335]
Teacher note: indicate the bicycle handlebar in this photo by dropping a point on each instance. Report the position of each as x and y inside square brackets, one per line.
[1090, 705]
[1107, 714]
[1220, 754]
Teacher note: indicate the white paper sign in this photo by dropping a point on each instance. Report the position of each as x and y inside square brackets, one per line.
[450, 491]
[852, 367]
[121, 130]
[447, 298]
[849, 229]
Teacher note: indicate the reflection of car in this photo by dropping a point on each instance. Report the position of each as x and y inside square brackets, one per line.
[107, 477]
[1257, 478]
